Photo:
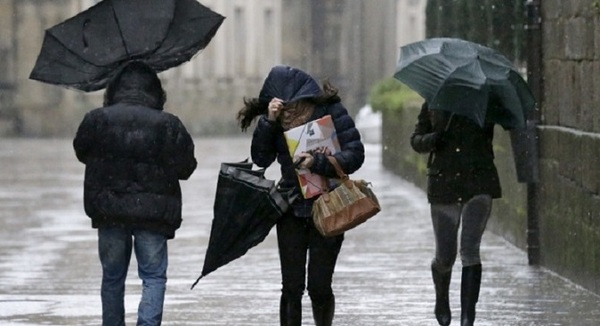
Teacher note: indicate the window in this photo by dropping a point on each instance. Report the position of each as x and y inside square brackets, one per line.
[240, 40]
[268, 54]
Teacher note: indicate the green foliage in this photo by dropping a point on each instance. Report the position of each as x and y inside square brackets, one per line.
[418, 161]
[391, 94]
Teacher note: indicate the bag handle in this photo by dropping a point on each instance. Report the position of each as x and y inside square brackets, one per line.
[338, 169]
[341, 174]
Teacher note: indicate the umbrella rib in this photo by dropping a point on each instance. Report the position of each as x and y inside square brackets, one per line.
[443, 84]
[120, 31]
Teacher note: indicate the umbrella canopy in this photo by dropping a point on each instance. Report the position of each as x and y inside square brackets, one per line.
[461, 77]
[84, 51]
[247, 206]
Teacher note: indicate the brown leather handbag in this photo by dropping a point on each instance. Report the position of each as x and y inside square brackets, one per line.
[345, 207]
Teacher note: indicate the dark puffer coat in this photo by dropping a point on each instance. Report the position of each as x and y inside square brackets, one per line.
[134, 156]
[461, 161]
[268, 142]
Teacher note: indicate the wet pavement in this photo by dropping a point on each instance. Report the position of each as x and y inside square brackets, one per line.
[50, 274]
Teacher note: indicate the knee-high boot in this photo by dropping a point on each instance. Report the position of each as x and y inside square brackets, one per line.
[290, 312]
[441, 281]
[323, 312]
[469, 293]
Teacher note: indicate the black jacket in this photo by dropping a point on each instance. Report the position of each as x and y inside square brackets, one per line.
[134, 156]
[268, 144]
[461, 161]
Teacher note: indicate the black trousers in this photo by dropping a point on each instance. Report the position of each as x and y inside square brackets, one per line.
[299, 242]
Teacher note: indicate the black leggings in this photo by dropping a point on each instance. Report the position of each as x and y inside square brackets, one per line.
[297, 236]
[446, 219]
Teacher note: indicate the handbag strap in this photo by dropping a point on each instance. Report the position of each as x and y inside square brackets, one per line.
[338, 168]
[341, 174]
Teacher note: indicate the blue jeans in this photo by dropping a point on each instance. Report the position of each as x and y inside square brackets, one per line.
[114, 247]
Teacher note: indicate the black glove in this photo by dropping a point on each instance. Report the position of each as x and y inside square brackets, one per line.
[439, 140]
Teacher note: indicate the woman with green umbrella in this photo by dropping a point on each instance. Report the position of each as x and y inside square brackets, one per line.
[462, 182]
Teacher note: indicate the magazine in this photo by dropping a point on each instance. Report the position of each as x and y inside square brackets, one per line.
[314, 136]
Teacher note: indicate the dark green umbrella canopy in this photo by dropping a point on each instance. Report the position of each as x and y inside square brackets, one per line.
[85, 50]
[462, 77]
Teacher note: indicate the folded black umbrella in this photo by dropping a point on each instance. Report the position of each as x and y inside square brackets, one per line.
[84, 51]
[247, 206]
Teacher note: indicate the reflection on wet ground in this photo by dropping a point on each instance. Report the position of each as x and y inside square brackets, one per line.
[50, 274]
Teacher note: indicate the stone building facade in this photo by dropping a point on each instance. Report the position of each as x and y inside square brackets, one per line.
[346, 41]
[205, 92]
[8, 123]
[410, 22]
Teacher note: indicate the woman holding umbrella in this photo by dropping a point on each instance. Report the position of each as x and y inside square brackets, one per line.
[462, 181]
[289, 98]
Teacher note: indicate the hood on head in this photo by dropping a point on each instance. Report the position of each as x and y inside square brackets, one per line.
[136, 83]
[288, 84]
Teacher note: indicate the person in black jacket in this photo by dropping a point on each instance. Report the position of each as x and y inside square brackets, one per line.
[289, 98]
[135, 154]
[462, 181]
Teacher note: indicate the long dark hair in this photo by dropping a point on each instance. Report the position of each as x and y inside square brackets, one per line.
[253, 107]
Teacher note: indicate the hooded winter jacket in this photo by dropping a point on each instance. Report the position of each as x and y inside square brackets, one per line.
[461, 162]
[135, 156]
[268, 141]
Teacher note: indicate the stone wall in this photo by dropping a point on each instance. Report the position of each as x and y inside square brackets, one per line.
[569, 199]
[568, 192]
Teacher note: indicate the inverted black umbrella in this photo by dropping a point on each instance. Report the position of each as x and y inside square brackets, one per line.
[85, 50]
[461, 76]
[247, 206]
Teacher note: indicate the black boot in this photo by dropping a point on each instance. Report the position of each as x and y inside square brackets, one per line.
[290, 312]
[323, 313]
[441, 280]
[469, 293]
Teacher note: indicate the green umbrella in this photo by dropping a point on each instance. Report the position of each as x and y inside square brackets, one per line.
[461, 77]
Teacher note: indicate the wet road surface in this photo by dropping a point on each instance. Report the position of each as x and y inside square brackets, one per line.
[50, 274]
